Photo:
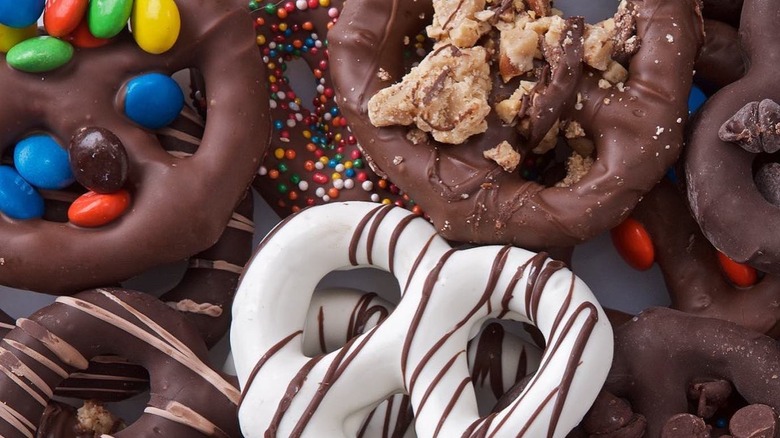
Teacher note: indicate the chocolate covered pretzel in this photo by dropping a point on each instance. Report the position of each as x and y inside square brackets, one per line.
[631, 115]
[730, 164]
[188, 397]
[700, 280]
[713, 371]
[174, 206]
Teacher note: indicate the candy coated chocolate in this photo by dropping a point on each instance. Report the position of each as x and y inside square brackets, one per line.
[98, 159]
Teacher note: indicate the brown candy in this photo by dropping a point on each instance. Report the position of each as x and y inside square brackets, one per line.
[754, 421]
[98, 160]
[755, 127]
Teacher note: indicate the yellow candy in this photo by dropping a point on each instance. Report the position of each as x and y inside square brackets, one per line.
[155, 24]
[10, 36]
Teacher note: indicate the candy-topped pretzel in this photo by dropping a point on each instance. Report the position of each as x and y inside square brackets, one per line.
[625, 121]
[178, 206]
[731, 167]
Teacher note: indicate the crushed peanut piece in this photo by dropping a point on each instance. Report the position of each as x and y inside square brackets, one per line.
[509, 108]
[577, 167]
[417, 136]
[94, 417]
[505, 155]
[615, 73]
[550, 139]
[455, 23]
[446, 95]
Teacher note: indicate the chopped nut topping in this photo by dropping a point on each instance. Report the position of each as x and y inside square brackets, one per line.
[454, 22]
[599, 44]
[505, 155]
[509, 108]
[94, 417]
[615, 73]
[445, 95]
[549, 141]
[577, 167]
[417, 136]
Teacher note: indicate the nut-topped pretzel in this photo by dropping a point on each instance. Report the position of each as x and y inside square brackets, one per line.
[730, 161]
[188, 397]
[699, 278]
[177, 206]
[636, 124]
[419, 349]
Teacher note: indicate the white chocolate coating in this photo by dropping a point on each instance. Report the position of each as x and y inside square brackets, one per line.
[419, 349]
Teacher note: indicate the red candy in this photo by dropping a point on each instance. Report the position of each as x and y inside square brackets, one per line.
[61, 17]
[96, 209]
[634, 244]
[82, 37]
[739, 274]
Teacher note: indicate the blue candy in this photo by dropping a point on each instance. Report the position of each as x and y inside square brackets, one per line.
[18, 199]
[153, 100]
[43, 163]
[20, 13]
[696, 99]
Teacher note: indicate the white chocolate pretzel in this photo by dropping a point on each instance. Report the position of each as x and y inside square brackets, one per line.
[498, 359]
[419, 349]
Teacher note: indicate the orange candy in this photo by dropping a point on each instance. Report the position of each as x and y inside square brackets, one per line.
[82, 37]
[97, 209]
[740, 274]
[61, 17]
[634, 244]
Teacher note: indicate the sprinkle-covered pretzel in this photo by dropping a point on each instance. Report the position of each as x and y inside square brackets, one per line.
[419, 348]
[624, 120]
[188, 398]
[111, 101]
[730, 166]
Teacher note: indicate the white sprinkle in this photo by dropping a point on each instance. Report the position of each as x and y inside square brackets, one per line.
[367, 186]
[303, 186]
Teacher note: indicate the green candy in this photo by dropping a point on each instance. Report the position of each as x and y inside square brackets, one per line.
[39, 54]
[108, 17]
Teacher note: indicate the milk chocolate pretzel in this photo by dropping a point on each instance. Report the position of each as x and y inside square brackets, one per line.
[636, 126]
[729, 166]
[179, 205]
[699, 280]
[713, 370]
[188, 397]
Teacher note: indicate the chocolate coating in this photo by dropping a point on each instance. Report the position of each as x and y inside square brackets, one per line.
[720, 59]
[727, 11]
[654, 366]
[98, 159]
[179, 206]
[472, 199]
[188, 398]
[719, 175]
[691, 269]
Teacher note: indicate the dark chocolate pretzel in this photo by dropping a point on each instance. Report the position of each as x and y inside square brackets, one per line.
[660, 372]
[720, 174]
[188, 397]
[179, 205]
[637, 131]
[720, 59]
[696, 281]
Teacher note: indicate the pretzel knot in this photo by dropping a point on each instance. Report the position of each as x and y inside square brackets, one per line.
[419, 349]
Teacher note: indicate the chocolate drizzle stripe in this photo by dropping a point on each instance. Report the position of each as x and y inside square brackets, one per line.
[38, 357]
[15, 419]
[540, 283]
[219, 265]
[61, 349]
[373, 230]
[536, 413]
[179, 352]
[536, 263]
[522, 366]
[321, 327]
[435, 382]
[430, 280]
[487, 360]
[91, 376]
[510, 289]
[268, 354]
[417, 262]
[12, 367]
[451, 404]
[362, 432]
[495, 271]
[295, 385]
[335, 370]
[565, 305]
[399, 228]
[353, 243]
[184, 415]
[388, 416]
